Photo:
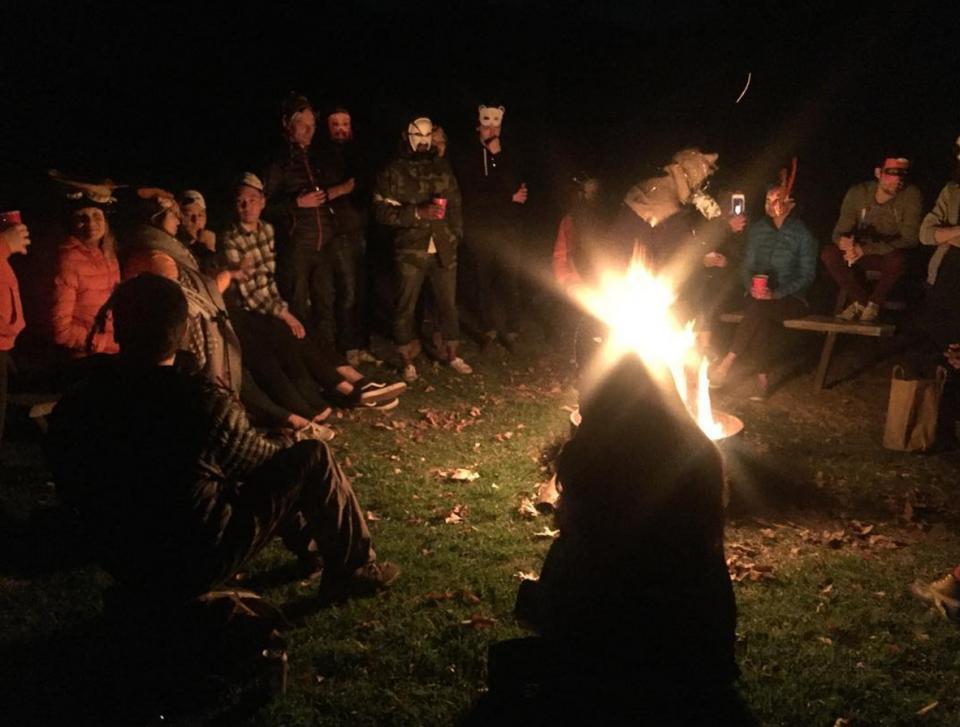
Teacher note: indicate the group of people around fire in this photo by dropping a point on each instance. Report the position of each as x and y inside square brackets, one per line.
[210, 340]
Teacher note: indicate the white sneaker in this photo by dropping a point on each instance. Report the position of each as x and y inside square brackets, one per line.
[460, 366]
[851, 313]
[870, 313]
[410, 373]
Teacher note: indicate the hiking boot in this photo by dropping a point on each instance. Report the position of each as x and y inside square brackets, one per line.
[851, 313]
[364, 581]
[410, 373]
[943, 594]
[374, 391]
[460, 366]
[870, 313]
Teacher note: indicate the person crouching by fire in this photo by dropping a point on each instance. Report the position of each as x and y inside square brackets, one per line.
[634, 607]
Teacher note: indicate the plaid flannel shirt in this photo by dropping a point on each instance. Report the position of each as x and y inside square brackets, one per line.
[259, 291]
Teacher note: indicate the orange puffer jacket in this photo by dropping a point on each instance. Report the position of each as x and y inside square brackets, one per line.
[84, 281]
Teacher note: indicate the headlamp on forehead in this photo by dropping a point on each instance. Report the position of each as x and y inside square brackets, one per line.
[420, 131]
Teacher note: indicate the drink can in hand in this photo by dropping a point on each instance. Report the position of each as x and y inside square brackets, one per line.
[441, 202]
[760, 284]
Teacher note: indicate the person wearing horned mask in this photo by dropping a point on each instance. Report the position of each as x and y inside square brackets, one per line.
[417, 197]
[494, 194]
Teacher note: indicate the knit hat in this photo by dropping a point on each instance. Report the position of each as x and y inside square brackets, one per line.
[192, 196]
[154, 203]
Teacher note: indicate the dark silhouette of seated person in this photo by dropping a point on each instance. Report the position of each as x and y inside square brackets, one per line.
[175, 486]
[634, 608]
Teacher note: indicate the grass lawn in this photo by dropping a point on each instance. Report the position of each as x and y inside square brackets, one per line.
[826, 532]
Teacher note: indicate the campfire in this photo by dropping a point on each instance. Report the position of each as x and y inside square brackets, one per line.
[638, 310]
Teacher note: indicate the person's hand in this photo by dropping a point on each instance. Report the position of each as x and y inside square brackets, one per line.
[429, 211]
[765, 294]
[208, 240]
[296, 327]
[845, 243]
[312, 199]
[853, 254]
[339, 190]
[16, 237]
[952, 355]
[714, 260]
[520, 196]
[738, 223]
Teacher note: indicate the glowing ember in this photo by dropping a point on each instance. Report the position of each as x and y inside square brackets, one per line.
[638, 310]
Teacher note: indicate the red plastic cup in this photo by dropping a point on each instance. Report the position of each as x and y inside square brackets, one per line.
[760, 284]
[10, 218]
[441, 202]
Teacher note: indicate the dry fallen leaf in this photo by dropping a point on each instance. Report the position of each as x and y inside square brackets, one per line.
[468, 596]
[478, 621]
[463, 475]
[524, 576]
[456, 515]
[923, 710]
[436, 596]
[527, 509]
[372, 517]
[825, 640]
[547, 533]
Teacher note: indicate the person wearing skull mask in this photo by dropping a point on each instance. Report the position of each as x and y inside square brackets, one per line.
[418, 198]
[493, 195]
[879, 221]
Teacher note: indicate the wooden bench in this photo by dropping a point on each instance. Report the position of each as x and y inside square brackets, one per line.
[831, 326]
[40, 404]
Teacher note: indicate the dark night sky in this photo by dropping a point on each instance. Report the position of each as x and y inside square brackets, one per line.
[189, 95]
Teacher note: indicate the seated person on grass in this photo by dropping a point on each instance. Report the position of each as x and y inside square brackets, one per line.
[782, 249]
[176, 488]
[275, 344]
[634, 608]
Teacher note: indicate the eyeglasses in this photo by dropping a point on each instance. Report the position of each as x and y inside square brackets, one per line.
[896, 171]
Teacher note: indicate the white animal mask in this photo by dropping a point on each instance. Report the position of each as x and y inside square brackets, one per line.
[420, 131]
[491, 115]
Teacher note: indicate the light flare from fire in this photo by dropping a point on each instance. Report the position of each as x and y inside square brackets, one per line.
[637, 307]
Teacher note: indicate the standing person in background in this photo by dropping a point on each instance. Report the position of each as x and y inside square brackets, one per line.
[418, 199]
[87, 272]
[14, 240]
[493, 194]
[343, 177]
[879, 221]
[297, 204]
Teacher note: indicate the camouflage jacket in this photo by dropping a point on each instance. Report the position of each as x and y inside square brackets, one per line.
[411, 180]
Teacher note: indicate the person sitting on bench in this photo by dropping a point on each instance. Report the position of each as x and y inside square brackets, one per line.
[779, 265]
[878, 222]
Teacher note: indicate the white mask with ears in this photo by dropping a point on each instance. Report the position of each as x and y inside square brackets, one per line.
[420, 131]
[491, 115]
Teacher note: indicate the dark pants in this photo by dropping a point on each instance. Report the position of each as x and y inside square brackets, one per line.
[890, 266]
[326, 290]
[275, 358]
[761, 321]
[300, 494]
[706, 294]
[498, 281]
[413, 267]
